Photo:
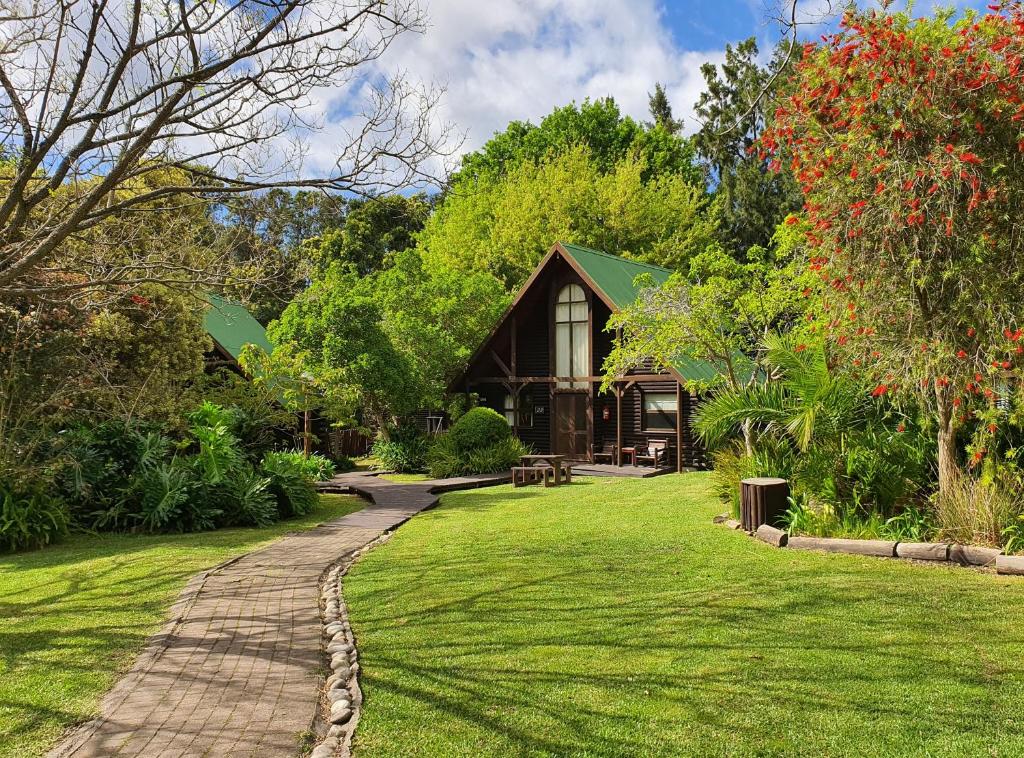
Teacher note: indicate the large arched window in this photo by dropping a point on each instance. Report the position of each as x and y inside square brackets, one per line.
[572, 335]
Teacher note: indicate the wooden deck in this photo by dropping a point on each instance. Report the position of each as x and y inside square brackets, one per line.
[610, 469]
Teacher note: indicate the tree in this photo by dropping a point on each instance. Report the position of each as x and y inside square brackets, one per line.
[733, 110]
[436, 316]
[95, 97]
[721, 312]
[661, 110]
[905, 138]
[506, 225]
[598, 125]
[332, 336]
[373, 230]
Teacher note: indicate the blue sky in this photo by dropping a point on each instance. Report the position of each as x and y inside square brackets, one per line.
[502, 60]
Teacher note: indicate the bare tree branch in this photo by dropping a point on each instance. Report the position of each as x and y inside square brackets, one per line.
[224, 96]
[787, 16]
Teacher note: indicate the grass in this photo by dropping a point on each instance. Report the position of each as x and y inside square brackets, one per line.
[612, 618]
[405, 477]
[74, 615]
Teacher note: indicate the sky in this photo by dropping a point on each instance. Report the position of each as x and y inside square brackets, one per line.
[504, 60]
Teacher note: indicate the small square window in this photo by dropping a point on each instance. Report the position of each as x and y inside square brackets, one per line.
[661, 411]
[525, 412]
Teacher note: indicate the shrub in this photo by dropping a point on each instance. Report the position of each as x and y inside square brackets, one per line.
[290, 483]
[246, 497]
[980, 512]
[163, 490]
[446, 459]
[317, 468]
[30, 517]
[479, 428]
[259, 421]
[404, 451]
[95, 466]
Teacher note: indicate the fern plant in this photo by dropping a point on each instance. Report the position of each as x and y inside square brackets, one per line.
[290, 484]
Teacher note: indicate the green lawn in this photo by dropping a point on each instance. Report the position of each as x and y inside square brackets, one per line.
[405, 477]
[74, 615]
[612, 618]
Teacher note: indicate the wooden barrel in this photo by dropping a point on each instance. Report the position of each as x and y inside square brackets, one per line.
[762, 501]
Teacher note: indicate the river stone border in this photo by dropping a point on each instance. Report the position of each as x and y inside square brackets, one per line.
[341, 698]
[935, 552]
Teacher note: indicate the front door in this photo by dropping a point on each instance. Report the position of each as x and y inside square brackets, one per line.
[571, 428]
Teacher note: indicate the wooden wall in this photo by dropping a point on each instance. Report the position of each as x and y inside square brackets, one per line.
[533, 358]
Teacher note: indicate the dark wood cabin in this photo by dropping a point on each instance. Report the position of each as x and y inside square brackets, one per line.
[541, 366]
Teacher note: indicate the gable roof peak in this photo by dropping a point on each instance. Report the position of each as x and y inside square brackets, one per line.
[611, 276]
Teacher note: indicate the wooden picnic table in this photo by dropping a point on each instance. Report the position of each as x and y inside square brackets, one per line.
[550, 459]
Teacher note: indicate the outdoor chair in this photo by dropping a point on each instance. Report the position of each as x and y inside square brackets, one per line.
[656, 453]
[607, 451]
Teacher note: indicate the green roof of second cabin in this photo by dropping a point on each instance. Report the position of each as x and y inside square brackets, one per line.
[613, 274]
[232, 327]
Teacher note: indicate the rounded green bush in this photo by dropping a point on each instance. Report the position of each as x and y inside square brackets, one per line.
[479, 428]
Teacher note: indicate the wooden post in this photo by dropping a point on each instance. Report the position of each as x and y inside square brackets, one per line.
[307, 433]
[679, 427]
[618, 425]
[763, 500]
[512, 348]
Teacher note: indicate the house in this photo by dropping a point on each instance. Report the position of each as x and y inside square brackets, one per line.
[541, 366]
[231, 327]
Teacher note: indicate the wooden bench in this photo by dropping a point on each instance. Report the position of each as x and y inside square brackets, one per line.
[523, 475]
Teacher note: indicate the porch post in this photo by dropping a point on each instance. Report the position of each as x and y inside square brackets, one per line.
[679, 427]
[618, 424]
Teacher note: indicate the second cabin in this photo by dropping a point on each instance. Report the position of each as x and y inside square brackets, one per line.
[541, 368]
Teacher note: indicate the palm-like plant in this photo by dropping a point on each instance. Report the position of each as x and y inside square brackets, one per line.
[803, 399]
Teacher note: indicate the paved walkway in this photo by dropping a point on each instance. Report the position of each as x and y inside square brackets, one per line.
[236, 671]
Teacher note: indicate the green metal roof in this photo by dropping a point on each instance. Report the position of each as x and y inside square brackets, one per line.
[233, 327]
[615, 276]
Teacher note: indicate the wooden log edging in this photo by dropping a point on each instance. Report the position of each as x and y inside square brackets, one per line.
[938, 552]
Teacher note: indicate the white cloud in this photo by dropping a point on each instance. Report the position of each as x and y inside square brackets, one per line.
[504, 61]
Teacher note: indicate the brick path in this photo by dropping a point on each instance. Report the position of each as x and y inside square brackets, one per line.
[236, 671]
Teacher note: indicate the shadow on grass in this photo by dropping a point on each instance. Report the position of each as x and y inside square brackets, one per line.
[614, 621]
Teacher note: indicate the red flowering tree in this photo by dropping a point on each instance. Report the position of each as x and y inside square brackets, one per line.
[907, 138]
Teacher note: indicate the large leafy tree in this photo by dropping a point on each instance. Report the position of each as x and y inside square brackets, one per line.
[506, 225]
[596, 124]
[373, 229]
[333, 338]
[436, 316]
[906, 139]
[385, 344]
[734, 110]
[262, 236]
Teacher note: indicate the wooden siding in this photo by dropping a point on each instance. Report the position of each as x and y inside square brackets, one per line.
[532, 355]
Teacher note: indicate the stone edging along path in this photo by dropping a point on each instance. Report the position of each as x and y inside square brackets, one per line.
[235, 670]
[963, 555]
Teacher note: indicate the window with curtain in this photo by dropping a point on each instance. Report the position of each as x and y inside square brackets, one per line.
[660, 411]
[572, 336]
